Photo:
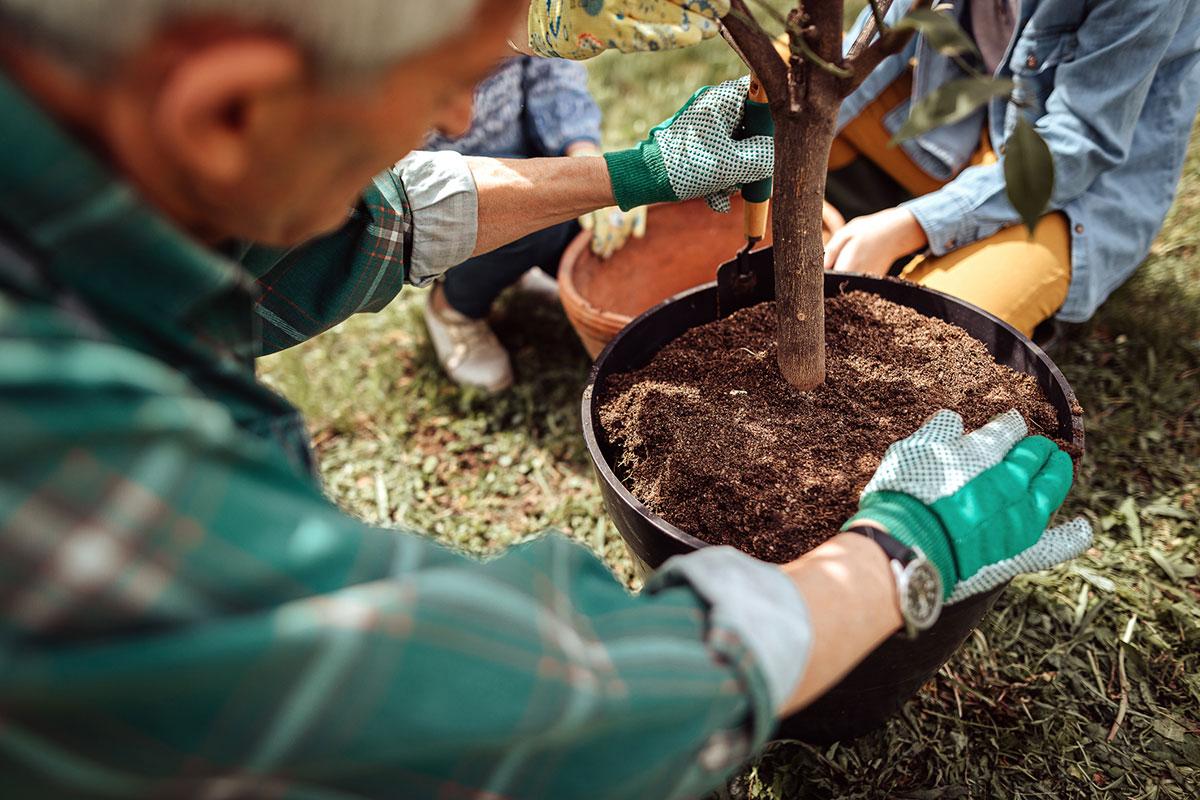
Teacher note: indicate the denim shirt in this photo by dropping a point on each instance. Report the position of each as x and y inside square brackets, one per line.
[1111, 85]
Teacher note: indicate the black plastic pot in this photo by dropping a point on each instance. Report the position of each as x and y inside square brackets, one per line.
[879, 685]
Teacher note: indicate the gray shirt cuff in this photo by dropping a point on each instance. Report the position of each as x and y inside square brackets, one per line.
[445, 211]
[758, 602]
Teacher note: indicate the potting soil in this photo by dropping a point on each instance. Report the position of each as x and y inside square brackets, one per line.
[714, 440]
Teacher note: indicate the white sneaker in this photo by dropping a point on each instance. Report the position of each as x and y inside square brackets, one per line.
[467, 349]
[539, 284]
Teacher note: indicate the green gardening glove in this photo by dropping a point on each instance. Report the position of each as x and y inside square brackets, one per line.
[694, 154]
[976, 505]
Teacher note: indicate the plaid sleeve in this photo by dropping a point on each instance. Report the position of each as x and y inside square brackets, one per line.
[308, 289]
[416, 220]
[186, 615]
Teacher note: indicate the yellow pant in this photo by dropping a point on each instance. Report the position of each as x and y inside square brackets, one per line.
[1022, 281]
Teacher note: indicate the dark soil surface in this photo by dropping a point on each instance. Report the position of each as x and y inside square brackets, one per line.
[713, 439]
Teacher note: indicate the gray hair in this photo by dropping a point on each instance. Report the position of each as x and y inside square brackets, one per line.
[339, 35]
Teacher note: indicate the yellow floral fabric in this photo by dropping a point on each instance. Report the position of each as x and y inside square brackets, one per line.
[579, 29]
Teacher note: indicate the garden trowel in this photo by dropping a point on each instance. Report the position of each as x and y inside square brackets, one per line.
[741, 281]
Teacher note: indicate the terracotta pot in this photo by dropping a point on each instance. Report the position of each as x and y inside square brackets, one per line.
[683, 246]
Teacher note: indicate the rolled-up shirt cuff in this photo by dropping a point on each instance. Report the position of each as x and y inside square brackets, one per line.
[945, 221]
[756, 602]
[445, 211]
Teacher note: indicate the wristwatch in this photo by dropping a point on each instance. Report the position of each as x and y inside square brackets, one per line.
[918, 583]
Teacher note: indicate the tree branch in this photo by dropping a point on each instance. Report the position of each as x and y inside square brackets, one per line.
[865, 55]
[755, 47]
[879, 10]
[797, 43]
[820, 23]
[799, 46]
[879, 13]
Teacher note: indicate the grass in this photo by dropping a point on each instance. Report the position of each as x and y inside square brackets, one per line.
[1027, 707]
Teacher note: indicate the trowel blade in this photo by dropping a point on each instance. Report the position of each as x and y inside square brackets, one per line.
[746, 280]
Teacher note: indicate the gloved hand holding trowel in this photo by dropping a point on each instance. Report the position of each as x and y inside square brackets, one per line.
[576, 29]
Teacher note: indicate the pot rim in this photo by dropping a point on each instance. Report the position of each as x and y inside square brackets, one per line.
[591, 432]
[572, 297]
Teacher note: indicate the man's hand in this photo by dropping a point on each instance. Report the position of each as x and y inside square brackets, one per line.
[871, 244]
[694, 154]
[579, 29]
[976, 505]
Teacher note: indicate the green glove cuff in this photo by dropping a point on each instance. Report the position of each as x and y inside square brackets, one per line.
[639, 176]
[911, 522]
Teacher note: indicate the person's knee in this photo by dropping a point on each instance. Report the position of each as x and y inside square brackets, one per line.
[1020, 281]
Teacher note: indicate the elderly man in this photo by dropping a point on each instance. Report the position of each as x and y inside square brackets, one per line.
[186, 615]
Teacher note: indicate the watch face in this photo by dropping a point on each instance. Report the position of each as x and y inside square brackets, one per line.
[922, 594]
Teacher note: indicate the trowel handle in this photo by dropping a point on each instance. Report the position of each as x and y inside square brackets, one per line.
[756, 121]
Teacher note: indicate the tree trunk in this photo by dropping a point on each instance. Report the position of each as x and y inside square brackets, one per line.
[802, 143]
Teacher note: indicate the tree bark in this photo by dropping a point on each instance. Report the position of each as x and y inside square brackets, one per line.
[802, 144]
[805, 96]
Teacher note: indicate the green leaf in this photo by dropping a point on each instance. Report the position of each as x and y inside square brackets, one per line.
[1029, 178]
[1164, 510]
[940, 30]
[1129, 512]
[1095, 579]
[1169, 729]
[1164, 564]
[949, 103]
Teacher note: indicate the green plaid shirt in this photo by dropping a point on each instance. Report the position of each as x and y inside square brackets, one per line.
[185, 613]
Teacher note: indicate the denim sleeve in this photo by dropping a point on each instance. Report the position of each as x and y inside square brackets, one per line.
[559, 109]
[1089, 122]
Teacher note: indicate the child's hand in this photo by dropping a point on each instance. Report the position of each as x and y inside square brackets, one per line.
[611, 228]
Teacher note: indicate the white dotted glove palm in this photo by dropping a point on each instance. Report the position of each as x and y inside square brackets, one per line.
[579, 29]
[976, 505]
[611, 228]
[694, 153]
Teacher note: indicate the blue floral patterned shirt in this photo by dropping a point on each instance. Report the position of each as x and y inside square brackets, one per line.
[528, 108]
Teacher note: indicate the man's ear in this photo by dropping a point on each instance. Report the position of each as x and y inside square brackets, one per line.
[220, 100]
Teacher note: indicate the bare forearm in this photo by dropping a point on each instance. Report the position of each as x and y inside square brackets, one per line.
[848, 587]
[520, 196]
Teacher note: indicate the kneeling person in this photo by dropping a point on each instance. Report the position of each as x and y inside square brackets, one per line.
[528, 108]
